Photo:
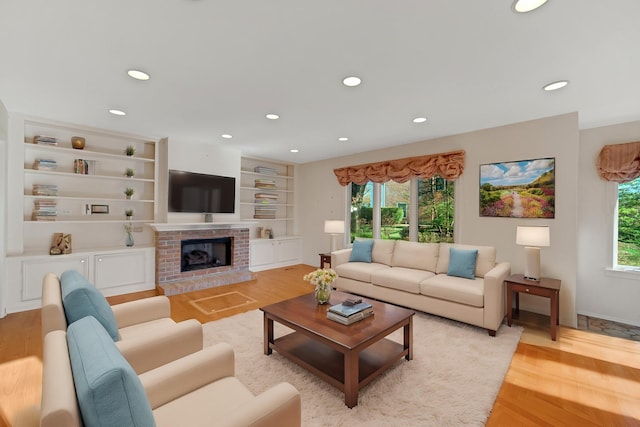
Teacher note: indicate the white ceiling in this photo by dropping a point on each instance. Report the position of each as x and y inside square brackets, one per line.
[219, 66]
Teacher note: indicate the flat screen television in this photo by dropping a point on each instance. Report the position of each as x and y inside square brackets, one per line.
[201, 193]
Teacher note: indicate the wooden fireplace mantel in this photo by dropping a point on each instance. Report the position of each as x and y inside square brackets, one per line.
[175, 226]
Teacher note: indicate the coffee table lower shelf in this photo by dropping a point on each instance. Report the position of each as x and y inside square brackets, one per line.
[328, 363]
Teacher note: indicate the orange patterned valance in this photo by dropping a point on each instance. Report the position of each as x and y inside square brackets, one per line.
[620, 162]
[446, 165]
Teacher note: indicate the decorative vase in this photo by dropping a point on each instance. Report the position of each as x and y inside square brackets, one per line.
[129, 241]
[77, 142]
[323, 293]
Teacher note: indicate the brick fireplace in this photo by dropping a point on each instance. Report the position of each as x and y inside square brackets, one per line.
[170, 277]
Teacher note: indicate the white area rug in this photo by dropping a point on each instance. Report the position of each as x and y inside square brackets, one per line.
[453, 379]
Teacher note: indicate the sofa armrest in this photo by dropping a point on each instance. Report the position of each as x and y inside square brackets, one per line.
[340, 257]
[53, 317]
[494, 295]
[187, 374]
[59, 406]
[162, 346]
[143, 310]
[279, 406]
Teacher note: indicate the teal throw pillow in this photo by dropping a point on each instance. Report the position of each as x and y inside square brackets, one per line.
[80, 299]
[109, 392]
[361, 251]
[462, 263]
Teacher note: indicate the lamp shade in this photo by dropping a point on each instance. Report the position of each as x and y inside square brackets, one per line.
[334, 226]
[532, 235]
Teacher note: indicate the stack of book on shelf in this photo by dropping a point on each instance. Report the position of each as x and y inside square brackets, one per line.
[265, 183]
[265, 212]
[45, 164]
[348, 314]
[45, 140]
[265, 170]
[44, 210]
[265, 206]
[45, 190]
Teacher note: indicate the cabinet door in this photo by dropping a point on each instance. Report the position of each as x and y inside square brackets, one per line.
[261, 253]
[288, 250]
[34, 270]
[119, 269]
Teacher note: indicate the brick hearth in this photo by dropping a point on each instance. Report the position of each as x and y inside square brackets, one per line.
[170, 280]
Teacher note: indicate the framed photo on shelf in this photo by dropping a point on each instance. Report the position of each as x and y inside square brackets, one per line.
[99, 209]
[518, 189]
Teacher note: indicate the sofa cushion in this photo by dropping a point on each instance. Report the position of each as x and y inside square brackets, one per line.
[359, 270]
[422, 256]
[462, 263]
[454, 289]
[401, 278]
[383, 251]
[80, 299]
[484, 263]
[361, 251]
[108, 390]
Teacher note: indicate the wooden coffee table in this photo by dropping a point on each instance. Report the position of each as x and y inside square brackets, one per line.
[347, 357]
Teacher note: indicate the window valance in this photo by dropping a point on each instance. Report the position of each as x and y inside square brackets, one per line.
[620, 162]
[446, 165]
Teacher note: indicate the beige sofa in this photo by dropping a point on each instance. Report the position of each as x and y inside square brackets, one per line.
[197, 390]
[414, 275]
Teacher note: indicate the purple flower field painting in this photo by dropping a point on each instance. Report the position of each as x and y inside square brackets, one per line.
[520, 189]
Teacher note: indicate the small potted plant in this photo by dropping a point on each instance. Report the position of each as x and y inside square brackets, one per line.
[130, 150]
[129, 214]
[129, 172]
[129, 192]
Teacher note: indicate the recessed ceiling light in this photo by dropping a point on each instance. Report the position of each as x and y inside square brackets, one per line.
[555, 85]
[522, 6]
[138, 75]
[226, 136]
[294, 150]
[351, 81]
[117, 112]
[419, 120]
[271, 116]
[343, 138]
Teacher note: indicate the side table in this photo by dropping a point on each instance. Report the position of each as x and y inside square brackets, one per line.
[546, 287]
[325, 259]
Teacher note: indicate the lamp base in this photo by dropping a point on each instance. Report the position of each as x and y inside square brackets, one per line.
[532, 263]
[334, 243]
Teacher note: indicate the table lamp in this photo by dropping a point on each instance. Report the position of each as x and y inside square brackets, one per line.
[532, 237]
[334, 227]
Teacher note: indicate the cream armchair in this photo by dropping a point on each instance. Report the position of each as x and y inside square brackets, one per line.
[197, 390]
[146, 334]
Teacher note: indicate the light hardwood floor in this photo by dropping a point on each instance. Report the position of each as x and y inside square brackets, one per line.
[582, 379]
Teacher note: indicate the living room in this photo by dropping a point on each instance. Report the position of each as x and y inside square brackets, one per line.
[580, 252]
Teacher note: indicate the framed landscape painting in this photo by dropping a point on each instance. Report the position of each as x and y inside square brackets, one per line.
[520, 189]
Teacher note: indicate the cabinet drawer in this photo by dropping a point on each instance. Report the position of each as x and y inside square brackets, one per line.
[532, 290]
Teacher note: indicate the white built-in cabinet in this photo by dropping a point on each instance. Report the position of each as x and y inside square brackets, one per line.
[272, 253]
[86, 188]
[277, 214]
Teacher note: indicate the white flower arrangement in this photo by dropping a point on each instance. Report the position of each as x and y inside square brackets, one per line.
[321, 276]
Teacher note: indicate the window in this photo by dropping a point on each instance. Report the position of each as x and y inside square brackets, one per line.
[628, 225]
[435, 210]
[361, 224]
[394, 224]
[403, 213]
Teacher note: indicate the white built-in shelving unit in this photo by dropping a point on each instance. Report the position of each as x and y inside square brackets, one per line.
[89, 206]
[285, 247]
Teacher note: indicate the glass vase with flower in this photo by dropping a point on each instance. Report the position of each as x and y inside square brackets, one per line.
[323, 279]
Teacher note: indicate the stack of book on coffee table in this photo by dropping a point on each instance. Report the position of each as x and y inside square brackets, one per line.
[348, 314]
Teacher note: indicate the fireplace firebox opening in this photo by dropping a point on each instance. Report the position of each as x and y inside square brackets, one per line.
[198, 254]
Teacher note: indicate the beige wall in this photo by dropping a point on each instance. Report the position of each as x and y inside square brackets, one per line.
[321, 197]
[602, 293]
[4, 131]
